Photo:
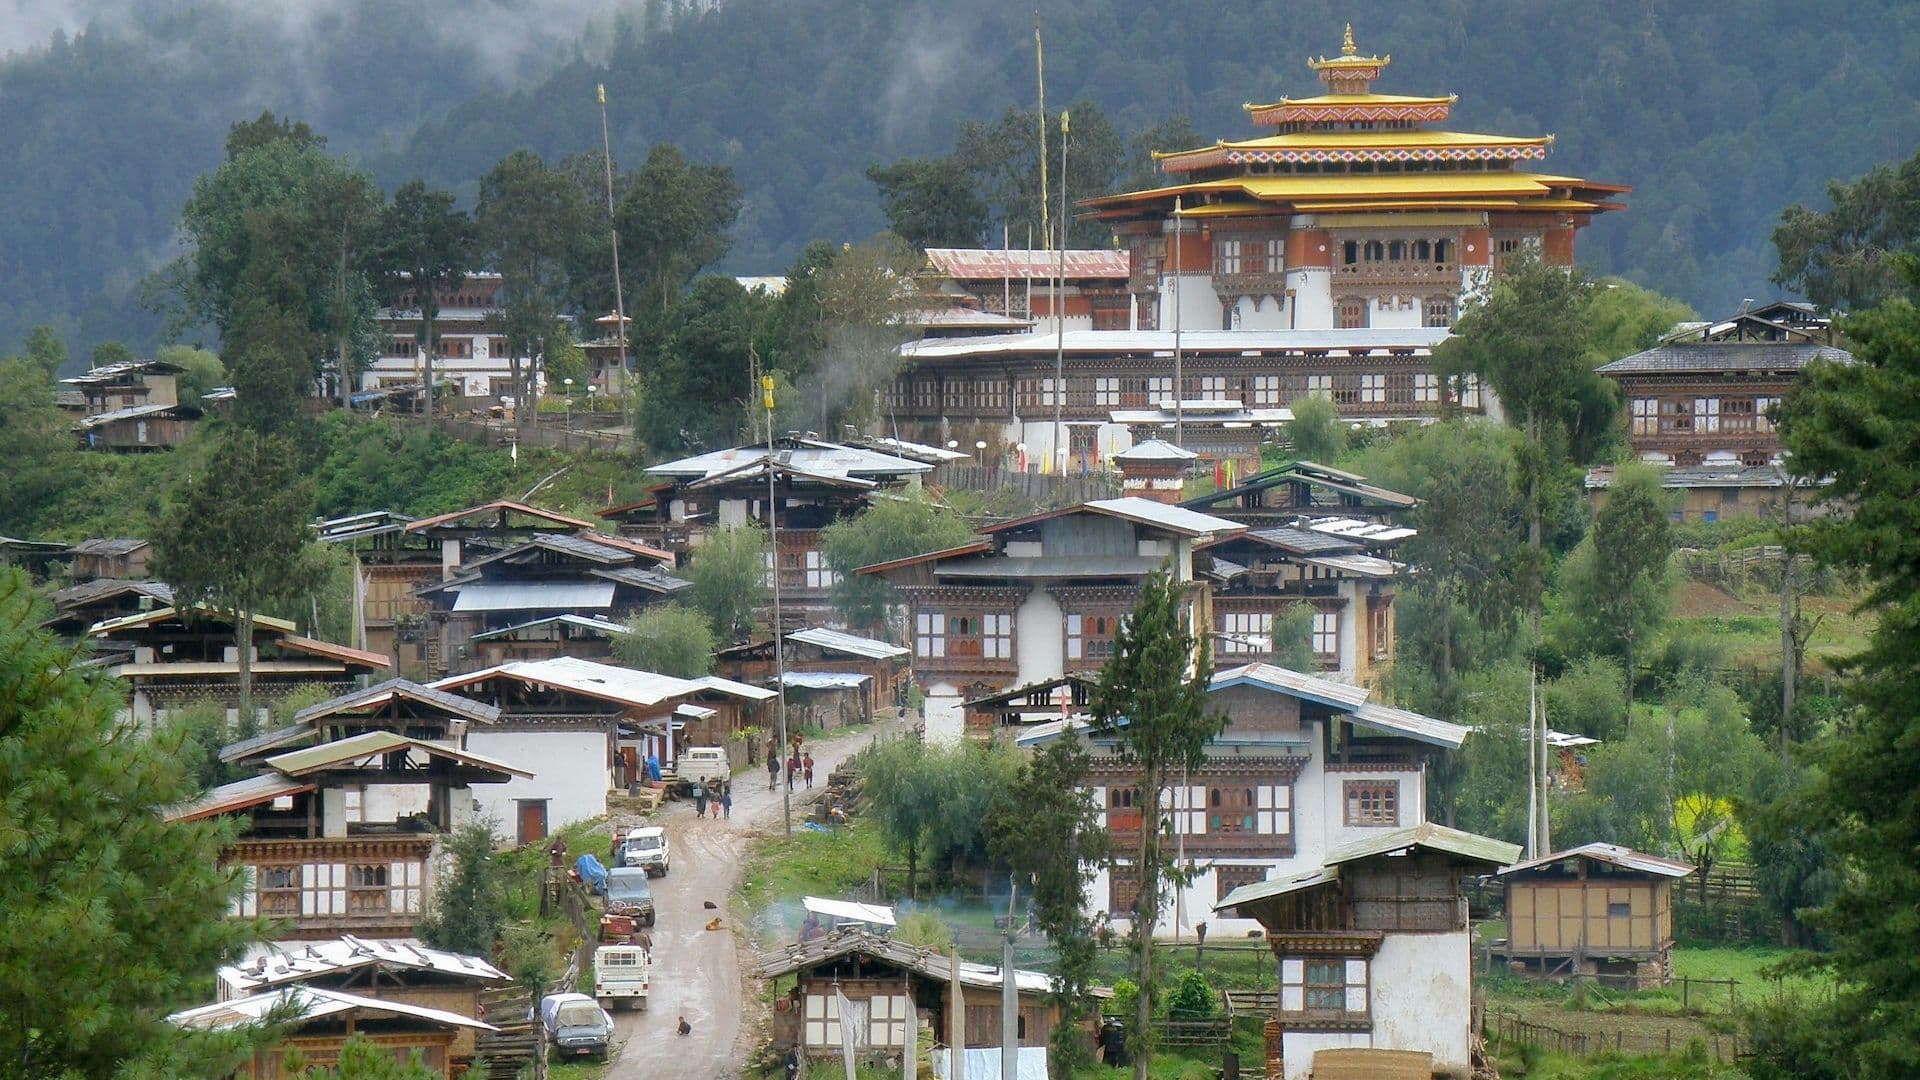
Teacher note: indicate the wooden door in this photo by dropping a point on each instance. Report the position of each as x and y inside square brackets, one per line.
[532, 818]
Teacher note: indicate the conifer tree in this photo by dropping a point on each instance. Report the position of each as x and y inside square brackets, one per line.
[1152, 698]
[113, 916]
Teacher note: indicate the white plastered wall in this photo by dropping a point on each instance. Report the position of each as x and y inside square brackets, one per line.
[569, 768]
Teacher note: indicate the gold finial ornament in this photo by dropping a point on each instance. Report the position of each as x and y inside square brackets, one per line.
[1347, 47]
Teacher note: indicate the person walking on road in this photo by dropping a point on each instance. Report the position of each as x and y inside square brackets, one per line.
[793, 769]
[699, 800]
[806, 766]
[719, 792]
[773, 770]
[726, 802]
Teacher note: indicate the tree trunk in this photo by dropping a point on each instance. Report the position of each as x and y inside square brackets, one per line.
[243, 643]
[341, 360]
[1147, 904]
[426, 324]
[1789, 646]
[1628, 643]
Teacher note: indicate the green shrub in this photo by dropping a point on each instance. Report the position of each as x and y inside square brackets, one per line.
[1192, 997]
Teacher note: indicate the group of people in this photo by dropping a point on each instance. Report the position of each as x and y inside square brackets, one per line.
[799, 767]
[716, 798]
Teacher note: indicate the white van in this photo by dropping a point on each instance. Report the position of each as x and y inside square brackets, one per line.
[621, 973]
[647, 847]
[702, 765]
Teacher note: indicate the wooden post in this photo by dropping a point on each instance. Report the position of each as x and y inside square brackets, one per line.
[1684, 982]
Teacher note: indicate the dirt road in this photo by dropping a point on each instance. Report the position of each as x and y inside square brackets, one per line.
[697, 973]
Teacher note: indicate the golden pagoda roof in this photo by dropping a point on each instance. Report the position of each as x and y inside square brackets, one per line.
[1372, 191]
[1349, 146]
[1349, 58]
[1337, 108]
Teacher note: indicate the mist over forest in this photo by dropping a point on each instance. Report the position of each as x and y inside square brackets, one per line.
[1718, 115]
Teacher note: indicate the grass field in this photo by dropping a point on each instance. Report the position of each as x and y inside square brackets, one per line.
[781, 869]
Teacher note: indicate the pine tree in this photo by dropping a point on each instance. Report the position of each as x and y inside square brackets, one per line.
[114, 916]
[1152, 698]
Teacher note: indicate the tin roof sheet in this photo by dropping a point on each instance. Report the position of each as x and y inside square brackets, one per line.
[1284, 885]
[310, 1003]
[1155, 450]
[824, 680]
[238, 795]
[1417, 340]
[842, 642]
[533, 595]
[1358, 565]
[971, 264]
[1433, 837]
[730, 688]
[1718, 356]
[876, 914]
[374, 696]
[346, 654]
[1286, 681]
[374, 744]
[606, 627]
[1614, 855]
[808, 456]
[501, 507]
[927, 962]
[604, 681]
[1412, 725]
[270, 964]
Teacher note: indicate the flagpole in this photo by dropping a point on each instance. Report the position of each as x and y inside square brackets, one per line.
[779, 637]
[1060, 308]
[613, 231]
[1040, 80]
[1179, 376]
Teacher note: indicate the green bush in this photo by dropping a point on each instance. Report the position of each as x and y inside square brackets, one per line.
[1126, 997]
[1192, 997]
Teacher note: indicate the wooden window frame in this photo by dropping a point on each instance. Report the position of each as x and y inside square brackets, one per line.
[1370, 804]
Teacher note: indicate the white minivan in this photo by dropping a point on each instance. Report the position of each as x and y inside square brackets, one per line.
[702, 765]
[647, 847]
[621, 973]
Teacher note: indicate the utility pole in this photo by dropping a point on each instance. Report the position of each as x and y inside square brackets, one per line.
[1060, 311]
[779, 647]
[1009, 998]
[613, 230]
[1179, 380]
[1040, 81]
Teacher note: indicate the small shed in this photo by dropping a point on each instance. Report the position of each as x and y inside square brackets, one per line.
[1598, 909]
[892, 985]
[321, 1021]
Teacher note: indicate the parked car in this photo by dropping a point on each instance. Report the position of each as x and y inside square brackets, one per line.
[629, 894]
[647, 847]
[621, 973]
[702, 765]
[576, 1025]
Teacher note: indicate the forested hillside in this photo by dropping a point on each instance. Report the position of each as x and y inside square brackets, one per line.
[1718, 114]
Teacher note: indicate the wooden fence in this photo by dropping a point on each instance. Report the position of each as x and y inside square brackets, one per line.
[1511, 1028]
[550, 431]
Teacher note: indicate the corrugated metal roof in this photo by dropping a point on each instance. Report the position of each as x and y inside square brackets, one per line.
[1161, 516]
[136, 412]
[1286, 681]
[1714, 356]
[1432, 837]
[824, 680]
[533, 595]
[354, 748]
[1612, 854]
[1411, 724]
[102, 588]
[1166, 416]
[916, 451]
[826, 459]
[266, 740]
[1052, 566]
[695, 712]
[1280, 886]
[877, 914]
[238, 795]
[374, 696]
[115, 545]
[496, 507]
[346, 654]
[276, 963]
[1303, 541]
[1360, 565]
[199, 611]
[644, 578]
[1600, 477]
[1362, 530]
[604, 681]
[309, 1003]
[852, 644]
[734, 689]
[110, 372]
[1149, 342]
[1155, 450]
[599, 626]
[975, 264]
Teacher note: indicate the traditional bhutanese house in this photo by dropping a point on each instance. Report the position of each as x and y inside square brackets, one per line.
[397, 706]
[327, 859]
[399, 970]
[327, 1019]
[892, 985]
[1037, 596]
[171, 659]
[1024, 709]
[1702, 395]
[389, 564]
[78, 607]
[1710, 493]
[126, 385]
[589, 726]
[1598, 909]
[127, 558]
[1260, 574]
[139, 427]
[584, 637]
[1304, 767]
[587, 574]
[1298, 489]
[1374, 952]
[815, 484]
[881, 667]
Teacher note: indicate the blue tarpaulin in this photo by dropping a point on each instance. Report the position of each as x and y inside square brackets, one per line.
[592, 873]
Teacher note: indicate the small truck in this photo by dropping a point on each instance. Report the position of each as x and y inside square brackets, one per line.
[621, 975]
